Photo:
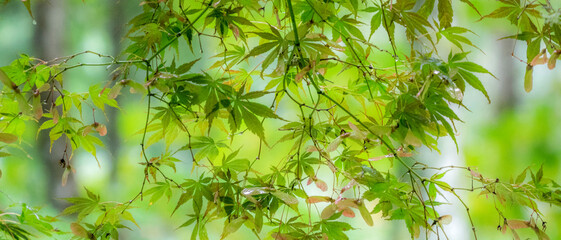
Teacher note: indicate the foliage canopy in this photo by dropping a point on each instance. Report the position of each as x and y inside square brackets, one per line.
[352, 84]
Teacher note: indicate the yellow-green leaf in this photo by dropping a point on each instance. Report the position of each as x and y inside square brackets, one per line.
[5, 154]
[365, 214]
[128, 216]
[263, 48]
[445, 13]
[232, 226]
[5, 79]
[528, 78]
[553, 59]
[258, 220]
[182, 199]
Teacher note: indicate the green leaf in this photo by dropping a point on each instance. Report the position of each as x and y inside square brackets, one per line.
[539, 175]
[256, 94]
[335, 230]
[285, 197]
[27, 4]
[365, 214]
[533, 49]
[499, 13]
[260, 110]
[427, 8]
[445, 13]
[203, 234]
[432, 190]
[186, 67]
[5, 79]
[473, 67]
[82, 206]
[253, 124]
[232, 226]
[128, 216]
[266, 35]
[263, 48]
[375, 22]
[195, 231]
[258, 220]
[404, 4]
[182, 200]
[188, 223]
[91, 195]
[471, 5]
[521, 177]
[453, 34]
[528, 78]
[474, 82]
[238, 165]
[158, 191]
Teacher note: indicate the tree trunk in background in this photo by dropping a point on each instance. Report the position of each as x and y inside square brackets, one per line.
[49, 44]
[507, 76]
[116, 27]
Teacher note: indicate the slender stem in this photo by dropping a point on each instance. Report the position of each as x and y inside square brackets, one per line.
[392, 42]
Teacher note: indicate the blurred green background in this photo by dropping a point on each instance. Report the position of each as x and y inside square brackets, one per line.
[501, 139]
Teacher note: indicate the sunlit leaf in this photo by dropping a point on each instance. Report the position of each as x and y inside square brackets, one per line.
[366, 216]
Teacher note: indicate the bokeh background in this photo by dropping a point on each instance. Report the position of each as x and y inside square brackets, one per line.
[501, 139]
